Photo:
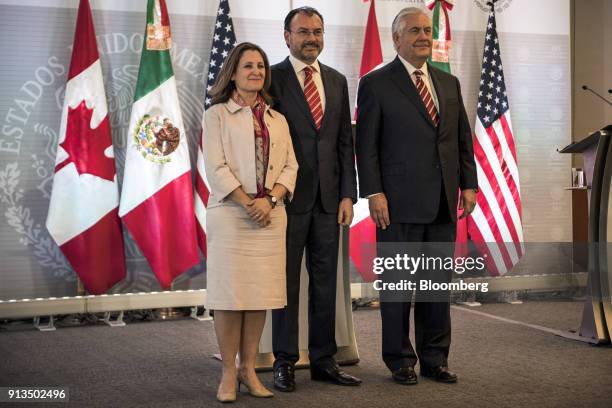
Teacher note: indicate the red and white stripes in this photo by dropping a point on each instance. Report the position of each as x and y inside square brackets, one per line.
[313, 98]
[496, 219]
[426, 97]
[201, 199]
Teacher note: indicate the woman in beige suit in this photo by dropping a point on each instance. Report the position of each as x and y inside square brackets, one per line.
[250, 167]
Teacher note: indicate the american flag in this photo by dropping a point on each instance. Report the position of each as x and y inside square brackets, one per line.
[495, 225]
[224, 40]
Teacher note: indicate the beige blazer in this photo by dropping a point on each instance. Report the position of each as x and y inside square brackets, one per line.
[228, 145]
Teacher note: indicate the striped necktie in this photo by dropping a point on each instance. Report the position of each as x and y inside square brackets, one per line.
[313, 98]
[426, 97]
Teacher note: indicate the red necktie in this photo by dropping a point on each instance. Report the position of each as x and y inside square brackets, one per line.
[313, 98]
[426, 97]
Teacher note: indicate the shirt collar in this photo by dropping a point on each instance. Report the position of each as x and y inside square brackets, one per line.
[298, 65]
[411, 68]
[234, 107]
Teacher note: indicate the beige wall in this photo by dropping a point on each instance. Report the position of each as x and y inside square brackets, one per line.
[591, 65]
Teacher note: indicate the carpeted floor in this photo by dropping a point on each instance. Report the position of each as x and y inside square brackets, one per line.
[169, 364]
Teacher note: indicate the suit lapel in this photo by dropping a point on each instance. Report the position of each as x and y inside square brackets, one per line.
[400, 76]
[296, 91]
[437, 84]
[329, 93]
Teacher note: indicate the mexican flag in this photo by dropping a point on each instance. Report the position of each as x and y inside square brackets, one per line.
[157, 193]
[441, 33]
[440, 58]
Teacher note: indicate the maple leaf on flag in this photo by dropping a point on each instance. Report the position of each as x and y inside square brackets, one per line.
[85, 146]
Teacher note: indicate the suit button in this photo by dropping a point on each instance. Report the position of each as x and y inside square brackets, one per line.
[437, 166]
[273, 144]
[271, 167]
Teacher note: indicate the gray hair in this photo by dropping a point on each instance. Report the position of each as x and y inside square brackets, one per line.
[398, 23]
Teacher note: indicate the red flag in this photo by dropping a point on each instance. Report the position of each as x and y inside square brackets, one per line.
[363, 231]
[371, 58]
[83, 218]
[372, 51]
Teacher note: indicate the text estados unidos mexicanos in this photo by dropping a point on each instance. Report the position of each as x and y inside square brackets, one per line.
[433, 263]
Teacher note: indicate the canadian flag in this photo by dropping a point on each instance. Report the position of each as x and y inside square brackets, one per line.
[363, 230]
[157, 193]
[83, 218]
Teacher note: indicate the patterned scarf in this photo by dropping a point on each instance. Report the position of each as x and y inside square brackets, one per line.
[262, 140]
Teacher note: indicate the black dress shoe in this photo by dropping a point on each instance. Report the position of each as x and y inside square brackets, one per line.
[333, 374]
[405, 375]
[440, 374]
[284, 378]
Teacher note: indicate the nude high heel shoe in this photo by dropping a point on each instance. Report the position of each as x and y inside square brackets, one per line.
[260, 393]
[228, 396]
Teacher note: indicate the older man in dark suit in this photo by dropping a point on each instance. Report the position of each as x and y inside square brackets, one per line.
[314, 99]
[414, 151]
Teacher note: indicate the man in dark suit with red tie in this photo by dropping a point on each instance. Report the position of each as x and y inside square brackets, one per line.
[414, 151]
[314, 99]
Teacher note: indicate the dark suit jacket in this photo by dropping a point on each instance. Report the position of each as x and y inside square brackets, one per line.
[401, 153]
[326, 157]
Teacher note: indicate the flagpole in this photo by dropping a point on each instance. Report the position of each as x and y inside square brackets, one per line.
[80, 287]
[168, 313]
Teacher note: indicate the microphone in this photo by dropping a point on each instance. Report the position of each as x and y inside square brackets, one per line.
[586, 88]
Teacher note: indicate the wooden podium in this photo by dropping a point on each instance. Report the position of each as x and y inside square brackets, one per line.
[596, 325]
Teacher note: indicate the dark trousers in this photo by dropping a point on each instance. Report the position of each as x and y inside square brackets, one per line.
[432, 324]
[318, 233]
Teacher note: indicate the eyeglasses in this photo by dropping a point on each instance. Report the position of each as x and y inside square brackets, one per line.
[318, 33]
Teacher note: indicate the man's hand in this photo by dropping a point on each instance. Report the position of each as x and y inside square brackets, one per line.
[467, 202]
[345, 211]
[379, 210]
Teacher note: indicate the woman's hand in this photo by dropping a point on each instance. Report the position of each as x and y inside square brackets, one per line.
[259, 211]
[267, 220]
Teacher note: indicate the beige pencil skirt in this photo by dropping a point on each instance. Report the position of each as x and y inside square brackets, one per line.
[245, 269]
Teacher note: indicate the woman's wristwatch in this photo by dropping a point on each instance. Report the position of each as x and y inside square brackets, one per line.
[273, 200]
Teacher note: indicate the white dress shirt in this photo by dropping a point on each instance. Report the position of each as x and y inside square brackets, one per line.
[299, 66]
